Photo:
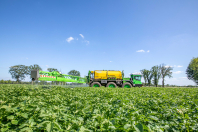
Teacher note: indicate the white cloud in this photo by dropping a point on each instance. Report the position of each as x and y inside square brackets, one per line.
[179, 66]
[177, 72]
[46, 65]
[110, 61]
[140, 51]
[148, 51]
[81, 36]
[69, 39]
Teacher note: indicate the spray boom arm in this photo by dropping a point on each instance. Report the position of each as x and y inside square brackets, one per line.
[55, 76]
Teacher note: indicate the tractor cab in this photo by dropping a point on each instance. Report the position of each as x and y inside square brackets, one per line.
[136, 80]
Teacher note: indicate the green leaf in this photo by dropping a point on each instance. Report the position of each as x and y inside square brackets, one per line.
[112, 127]
[49, 127]
[139, 127]
[4, 106]
[4, 129]
[23, 125]
[154, 118]
[15, 122]
[82, 129]
[127, 126]
[57, 126]
[25, 129]
[10, 117]
[25, 115]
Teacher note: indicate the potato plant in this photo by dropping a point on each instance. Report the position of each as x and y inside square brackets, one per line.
[36, 108]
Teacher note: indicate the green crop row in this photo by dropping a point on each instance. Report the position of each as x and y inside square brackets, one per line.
[37, 108]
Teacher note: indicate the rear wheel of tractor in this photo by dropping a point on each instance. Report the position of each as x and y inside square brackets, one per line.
[95, 84]
[111, 85]
[126, 85]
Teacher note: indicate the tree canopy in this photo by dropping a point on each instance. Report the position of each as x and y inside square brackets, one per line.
[74, 73]
[165, 71]
[156, 74]
[18, 72]
[145, 74]
[149, 77]
[192, 70]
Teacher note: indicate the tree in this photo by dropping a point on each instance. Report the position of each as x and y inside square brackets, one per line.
[192, 70]
[165, 71]
[2, 81]
[74, 73]
[52, 69]
[149, 77]
[156, 74]
[18, 72]
[9, 81]
[145, 73]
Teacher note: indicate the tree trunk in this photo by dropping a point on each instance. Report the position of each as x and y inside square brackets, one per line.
[162, 82]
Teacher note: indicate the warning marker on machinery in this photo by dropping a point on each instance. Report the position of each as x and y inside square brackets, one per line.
[47, 76]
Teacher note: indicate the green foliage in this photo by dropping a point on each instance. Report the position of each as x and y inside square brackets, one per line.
[74, 73]
[165, 71]
[192, 70]
[2, 81]
[149, 77]
[33, 108]
[156, 74]
[145, 74]
[19, 72]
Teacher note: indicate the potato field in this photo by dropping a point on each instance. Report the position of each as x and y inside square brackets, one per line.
[28, 108]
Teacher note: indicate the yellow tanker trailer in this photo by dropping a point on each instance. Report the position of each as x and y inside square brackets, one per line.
[111, 78]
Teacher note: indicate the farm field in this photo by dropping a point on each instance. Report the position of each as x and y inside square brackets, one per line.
[38, 108]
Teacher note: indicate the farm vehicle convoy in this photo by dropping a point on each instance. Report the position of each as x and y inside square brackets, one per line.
[97, 78]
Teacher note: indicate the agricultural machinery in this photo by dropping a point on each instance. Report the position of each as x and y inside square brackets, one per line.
[97, 78]
[111, 78]
[55, 76]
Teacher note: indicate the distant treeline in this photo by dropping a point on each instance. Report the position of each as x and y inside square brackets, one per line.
[168, 85]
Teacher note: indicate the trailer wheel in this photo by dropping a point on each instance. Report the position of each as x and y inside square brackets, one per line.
[126, 85]
[95, 84]
[111, 85]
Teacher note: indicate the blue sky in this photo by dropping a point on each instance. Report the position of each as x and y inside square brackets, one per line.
[128, 35]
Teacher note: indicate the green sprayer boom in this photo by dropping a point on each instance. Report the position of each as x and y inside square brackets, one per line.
[55, 76]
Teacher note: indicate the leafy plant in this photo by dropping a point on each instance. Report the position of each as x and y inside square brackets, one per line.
[33, 108]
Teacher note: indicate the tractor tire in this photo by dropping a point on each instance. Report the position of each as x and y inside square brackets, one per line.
[111, 85]
[126, 85]
[95, 84]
